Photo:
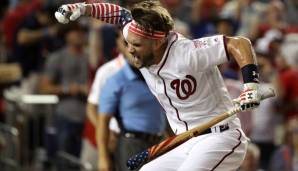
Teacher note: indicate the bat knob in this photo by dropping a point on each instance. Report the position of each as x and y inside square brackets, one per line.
[136, 161]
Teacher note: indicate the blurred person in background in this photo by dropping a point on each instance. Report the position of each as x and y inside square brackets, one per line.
[251, 160]
[265, 118]
[292, 11]
[203, 14]
[3, 53]
[102, 45]
[180, 11]
[286, 77]
[34, 38]
[225, 25]
[287, 87]
[274, 19]
[16, 16]
[66, 75]
[285, 158]
[126, 96]
[3, 11]
[248, 15]
[89, 146]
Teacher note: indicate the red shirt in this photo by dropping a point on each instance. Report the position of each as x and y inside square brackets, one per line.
[289, 82]
[89, 132]
[15, 17]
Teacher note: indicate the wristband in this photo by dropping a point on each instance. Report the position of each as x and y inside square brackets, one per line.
[250, 73]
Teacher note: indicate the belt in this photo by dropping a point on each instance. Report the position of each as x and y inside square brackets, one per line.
[216, 129]
[141, 135]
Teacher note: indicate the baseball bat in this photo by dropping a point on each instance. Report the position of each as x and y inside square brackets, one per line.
[174, 141]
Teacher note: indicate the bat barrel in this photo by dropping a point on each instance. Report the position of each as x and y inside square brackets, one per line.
[137, 160]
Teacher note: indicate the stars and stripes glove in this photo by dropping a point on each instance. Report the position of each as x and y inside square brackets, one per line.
[249, 97]
[70, 12]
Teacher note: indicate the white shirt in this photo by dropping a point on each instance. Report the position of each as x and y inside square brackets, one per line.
[102, 74]
[188, 83]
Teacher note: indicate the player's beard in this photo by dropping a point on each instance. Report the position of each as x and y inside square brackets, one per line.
[144, 61]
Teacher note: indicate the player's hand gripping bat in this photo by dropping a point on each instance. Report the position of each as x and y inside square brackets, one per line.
[174, 141]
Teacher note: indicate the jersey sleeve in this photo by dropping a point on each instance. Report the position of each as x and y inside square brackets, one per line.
[109, 98]
[207, 52]
[111, 13]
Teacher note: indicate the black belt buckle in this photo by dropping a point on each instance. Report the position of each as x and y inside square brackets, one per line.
[222, 128]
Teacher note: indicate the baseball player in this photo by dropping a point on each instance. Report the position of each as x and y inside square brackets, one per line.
[184, 77]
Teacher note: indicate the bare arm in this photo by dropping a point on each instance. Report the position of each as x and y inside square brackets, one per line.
[26, 36]
[102, 137]
[241, 49]
[91, 111]
[48, 87]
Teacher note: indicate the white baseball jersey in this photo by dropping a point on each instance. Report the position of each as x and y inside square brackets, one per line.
[102, 74]
[188, 83]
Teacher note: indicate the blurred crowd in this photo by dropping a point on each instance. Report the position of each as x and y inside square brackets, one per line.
[39, 57]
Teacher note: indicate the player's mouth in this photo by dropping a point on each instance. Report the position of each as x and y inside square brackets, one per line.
[137, 60]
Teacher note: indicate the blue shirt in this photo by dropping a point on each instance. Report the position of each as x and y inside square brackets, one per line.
[126, 94]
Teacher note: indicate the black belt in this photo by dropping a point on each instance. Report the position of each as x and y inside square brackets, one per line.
[220, 128]
[141, 135]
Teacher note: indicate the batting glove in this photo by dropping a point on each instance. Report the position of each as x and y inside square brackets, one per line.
[249, 98]
[70, 12]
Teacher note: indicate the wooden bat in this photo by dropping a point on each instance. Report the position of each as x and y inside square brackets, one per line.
[174, 141]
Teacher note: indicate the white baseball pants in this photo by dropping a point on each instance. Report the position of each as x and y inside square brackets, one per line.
[214, 151]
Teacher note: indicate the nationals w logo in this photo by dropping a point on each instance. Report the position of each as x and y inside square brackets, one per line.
[184, 88]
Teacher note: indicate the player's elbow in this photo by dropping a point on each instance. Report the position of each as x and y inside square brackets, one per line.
[240, 48]
[237, 45]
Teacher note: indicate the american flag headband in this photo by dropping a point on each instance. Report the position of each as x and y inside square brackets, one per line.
[137, 29]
